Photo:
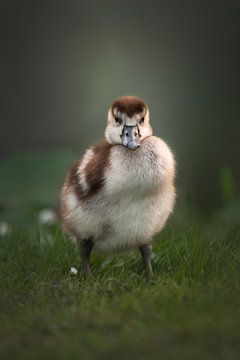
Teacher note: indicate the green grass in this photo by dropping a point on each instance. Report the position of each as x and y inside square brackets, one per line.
[191, 311]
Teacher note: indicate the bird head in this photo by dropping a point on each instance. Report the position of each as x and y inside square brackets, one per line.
[128, 122]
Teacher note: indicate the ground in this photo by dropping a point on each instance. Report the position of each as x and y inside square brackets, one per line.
[191, 311]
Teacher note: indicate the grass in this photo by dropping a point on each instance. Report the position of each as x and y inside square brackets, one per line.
[191, 311]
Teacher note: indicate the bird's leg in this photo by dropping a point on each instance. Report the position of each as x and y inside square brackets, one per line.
[85, 249]
[146, 251]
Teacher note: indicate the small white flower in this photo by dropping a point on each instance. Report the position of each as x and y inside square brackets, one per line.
[47, 216]
[73, 270]
[4, 228]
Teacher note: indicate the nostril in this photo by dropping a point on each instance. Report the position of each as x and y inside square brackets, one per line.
[135, 133]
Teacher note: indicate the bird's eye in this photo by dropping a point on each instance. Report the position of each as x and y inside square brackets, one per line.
[141, 120]
[118, 120]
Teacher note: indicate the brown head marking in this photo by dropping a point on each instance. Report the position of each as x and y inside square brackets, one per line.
[129, 105]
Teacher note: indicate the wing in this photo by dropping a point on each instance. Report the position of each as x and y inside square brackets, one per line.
[86, 175]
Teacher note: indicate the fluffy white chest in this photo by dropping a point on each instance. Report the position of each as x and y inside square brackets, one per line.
[133, 173]
[135, 202]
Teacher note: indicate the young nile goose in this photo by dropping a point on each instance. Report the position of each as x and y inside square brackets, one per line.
[121, 192]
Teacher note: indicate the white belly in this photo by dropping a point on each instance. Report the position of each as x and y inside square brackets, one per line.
[125, 222]
[131, 222]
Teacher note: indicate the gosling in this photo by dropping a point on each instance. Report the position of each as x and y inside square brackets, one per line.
[121, 192]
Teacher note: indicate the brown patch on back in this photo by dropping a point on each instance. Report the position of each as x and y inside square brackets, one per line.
[94, 172]
[73, 179]
[129, 105]
[94, 175]
[95, 169]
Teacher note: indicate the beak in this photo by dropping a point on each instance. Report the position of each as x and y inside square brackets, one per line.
[131, 137]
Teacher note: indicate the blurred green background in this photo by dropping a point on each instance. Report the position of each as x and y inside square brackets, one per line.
[64, 62]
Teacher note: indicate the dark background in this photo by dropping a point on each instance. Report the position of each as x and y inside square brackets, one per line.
[64, 62]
